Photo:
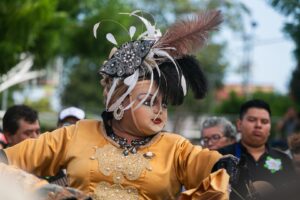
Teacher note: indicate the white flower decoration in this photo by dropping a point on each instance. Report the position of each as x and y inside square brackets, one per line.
[272, 164]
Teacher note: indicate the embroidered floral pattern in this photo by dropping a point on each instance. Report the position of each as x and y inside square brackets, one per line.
[105, 191]
[113, 162]
[273, 164]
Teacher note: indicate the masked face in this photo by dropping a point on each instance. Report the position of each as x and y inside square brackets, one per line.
[148, 118]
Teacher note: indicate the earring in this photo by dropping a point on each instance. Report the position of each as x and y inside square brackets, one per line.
[119, 112]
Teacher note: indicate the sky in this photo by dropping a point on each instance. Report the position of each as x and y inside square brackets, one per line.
[271, 55]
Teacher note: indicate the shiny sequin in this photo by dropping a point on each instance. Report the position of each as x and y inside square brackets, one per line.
[127, 58]
[149, 154]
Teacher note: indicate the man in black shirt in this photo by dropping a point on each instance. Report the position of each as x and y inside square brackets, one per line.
[261, 167]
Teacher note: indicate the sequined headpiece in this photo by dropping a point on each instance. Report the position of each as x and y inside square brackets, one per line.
[162, 58]
[127, 59]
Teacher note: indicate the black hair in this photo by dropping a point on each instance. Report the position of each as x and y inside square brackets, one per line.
[169, 81]
[254, 103]
[14, 114]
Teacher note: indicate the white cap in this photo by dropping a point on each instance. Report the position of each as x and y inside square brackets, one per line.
[71, 112]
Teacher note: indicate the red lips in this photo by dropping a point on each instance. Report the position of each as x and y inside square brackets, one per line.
[157, 121]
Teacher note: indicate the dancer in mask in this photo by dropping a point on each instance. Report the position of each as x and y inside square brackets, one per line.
[128, 155]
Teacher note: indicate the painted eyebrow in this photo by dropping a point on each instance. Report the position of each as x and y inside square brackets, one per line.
[150, 95]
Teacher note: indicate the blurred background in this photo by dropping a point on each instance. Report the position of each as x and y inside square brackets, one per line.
[49, 58]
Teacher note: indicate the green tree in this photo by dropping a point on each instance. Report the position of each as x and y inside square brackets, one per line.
[49, 29]
[290, 8]
[30, 27]
[230, 106]
[83, 89]
[86, 54]
[279, 103]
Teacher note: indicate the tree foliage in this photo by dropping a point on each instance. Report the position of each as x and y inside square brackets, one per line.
[279, 103]
[28, 26]
[295, 85]
[49, 29]
[291, 8]
[83, 89]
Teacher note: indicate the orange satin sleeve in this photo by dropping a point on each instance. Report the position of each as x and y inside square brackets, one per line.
[194, 163]
[194, 167]
[214, 187]
[43, 156]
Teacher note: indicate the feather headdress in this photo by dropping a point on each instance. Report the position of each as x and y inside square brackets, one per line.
[187, 36]
[162, 58]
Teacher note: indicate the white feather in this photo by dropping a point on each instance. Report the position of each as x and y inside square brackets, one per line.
[154, 96]
[132, 31]
[183, 85]
[157, 89]
[110, 37]
[157, 68]
[129, 105]
[152, 32]
[149, 89]
[150, 28]
[165, 54]
[116, 104]
[111, 91]
[143, 35]
[135, 11]
[131, 79]
[95, 28]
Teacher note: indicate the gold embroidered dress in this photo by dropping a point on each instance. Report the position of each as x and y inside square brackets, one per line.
[97, 166]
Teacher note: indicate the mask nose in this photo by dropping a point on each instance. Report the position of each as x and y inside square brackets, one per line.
[157, 109]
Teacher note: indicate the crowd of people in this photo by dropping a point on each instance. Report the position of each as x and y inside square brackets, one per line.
[129, 155]
[263, 169]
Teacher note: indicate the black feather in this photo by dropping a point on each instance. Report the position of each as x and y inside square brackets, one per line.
[170, 80]
[195, 77]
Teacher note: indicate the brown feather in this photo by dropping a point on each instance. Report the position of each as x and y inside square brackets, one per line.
[188, 36]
